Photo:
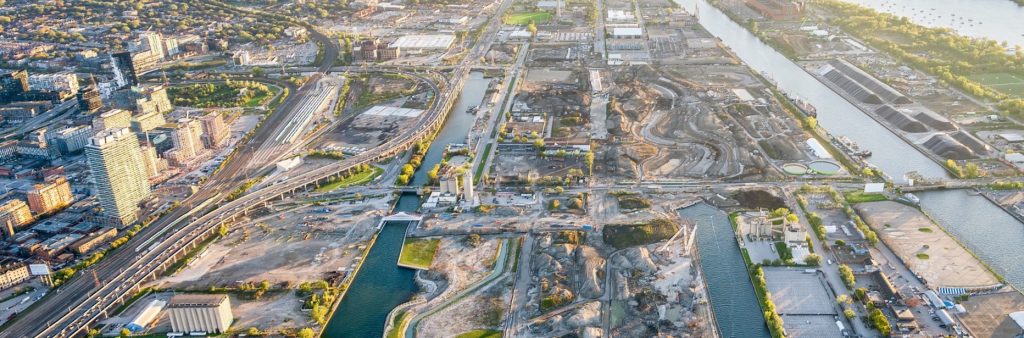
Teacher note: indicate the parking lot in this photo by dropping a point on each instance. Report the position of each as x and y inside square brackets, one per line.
[801, 298]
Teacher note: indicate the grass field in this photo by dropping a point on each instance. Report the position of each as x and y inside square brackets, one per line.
[524, 18]
[855, 197]
[481, 334]
[1006, 83]
[360, 178]
[418, 253]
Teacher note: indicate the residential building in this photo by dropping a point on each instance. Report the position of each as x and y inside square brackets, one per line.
[154, 165]
[112, 119]
[209, 313]
[89, 99]
[145, 122]
[152, 99]
[12, 84]
[124, 69]
[71, 140]
[15, 214]
[52, 195]
[35, 145]
[93, 240]
[12, 273]
[153, 43]
[8, 149]
[187, 138]
[215, 131]
[115, 160]
[64, 82]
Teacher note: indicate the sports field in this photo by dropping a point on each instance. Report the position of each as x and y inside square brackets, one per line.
[525, 18]
[1006, 83]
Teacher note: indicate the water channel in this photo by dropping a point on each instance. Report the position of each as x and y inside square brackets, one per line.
[381, 284]
[732, 294]
[981, 225]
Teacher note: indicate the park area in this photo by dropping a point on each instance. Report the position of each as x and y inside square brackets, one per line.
[418, 253]
[228, 94]
[361, 177]
[1006, 83]
[524, 18]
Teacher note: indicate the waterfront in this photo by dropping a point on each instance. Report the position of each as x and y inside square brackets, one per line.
[982, 227]
[732, 295]
[890, 154]
[381, 284]
[998, 20]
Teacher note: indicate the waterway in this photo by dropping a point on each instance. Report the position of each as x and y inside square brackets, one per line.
[983, 227]
[732, 294]
[381, 284]
[998, 20]
[838, 116]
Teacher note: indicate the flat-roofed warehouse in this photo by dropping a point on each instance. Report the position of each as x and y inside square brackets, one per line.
[200, 313]
[424, 42]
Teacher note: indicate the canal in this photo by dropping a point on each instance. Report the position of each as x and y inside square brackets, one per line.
[982, 226]
[732, 295]
[381, 284]
[839, 117]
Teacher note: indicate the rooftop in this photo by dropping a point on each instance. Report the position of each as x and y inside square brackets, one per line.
[196, 300]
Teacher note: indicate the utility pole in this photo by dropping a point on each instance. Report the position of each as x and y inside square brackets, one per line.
[95, 278]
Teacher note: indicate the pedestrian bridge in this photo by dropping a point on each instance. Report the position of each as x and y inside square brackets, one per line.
[400, 217]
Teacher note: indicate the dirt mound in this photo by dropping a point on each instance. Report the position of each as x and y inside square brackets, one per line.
[756, 199]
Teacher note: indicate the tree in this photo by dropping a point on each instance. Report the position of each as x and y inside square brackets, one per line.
[306, 333]
[258, 72]
[812, 259]
[125, 332]
[532, 27]
[554, 205]
[473, 240]
[860, 294]
[847, 275]
[222, 230]
[253, 331]
[849, 314]
[812, 123]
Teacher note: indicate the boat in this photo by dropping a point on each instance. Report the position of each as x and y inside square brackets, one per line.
[806, 107]
[913, 199]
[473, 110]
[851, 147]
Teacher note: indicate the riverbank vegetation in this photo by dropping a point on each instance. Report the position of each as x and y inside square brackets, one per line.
[953, 58]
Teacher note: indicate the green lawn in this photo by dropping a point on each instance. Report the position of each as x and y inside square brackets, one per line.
[1006, 83]
[483, 164]
[524, 18]
[860, 197]
[357, 179]
[481, 334]
[418, 253]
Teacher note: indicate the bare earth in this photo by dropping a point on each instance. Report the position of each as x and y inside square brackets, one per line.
[947, 264]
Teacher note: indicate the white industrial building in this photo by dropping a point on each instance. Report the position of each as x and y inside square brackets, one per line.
[627, 32]
[425, 42]
[200, 313]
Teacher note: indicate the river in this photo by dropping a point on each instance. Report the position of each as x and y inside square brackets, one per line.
[381, 284]
[976, 222]
[835, 114]
[732, 294]
[998, 20]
